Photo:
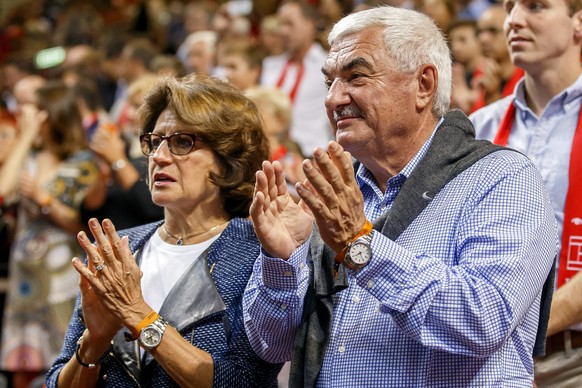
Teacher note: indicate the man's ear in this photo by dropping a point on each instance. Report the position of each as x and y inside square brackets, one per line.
[577, 21]
[427, 85]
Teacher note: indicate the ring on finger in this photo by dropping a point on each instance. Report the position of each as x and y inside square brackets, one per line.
[100, 266]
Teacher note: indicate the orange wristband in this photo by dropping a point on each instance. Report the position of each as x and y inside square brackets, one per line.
[46, 200]
[148, 320]
[45, 204]
[367, 228]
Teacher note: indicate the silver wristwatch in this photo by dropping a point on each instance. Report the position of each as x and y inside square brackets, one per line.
[118, 164]
[359, 252]
[151, 335]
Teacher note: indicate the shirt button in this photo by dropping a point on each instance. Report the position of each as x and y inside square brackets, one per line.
[356, 299]
[370, 284]
[342, 349]
[283, 306]
[287, 273]
[301, 265]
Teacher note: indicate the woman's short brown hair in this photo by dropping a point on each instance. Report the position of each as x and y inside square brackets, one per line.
[225, 120]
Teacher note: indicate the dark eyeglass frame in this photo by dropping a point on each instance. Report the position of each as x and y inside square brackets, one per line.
[145, 142]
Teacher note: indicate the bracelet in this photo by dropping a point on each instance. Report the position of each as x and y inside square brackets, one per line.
[148, 320]
[90, 365]
[367, 228]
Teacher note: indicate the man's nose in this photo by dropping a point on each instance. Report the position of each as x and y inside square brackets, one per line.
[337, 95]
[515, 17]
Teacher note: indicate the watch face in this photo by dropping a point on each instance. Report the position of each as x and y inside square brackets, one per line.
[360, 253]
[150, 337]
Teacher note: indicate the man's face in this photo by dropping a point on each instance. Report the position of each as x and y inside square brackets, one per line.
[538, 33]
[369, 102]
[490, 32]
[297, 31]
[464, 44]
[239, 73]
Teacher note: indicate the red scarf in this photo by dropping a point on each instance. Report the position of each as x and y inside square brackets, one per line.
[571, 252]
[298, 79]
[507, 89]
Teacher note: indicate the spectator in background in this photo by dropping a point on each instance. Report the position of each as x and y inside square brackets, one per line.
[543, 120]
[168, 65]
[122, 194]
[466, 52]
[276, 112]
[135, 62]
[92, 111]
[472, 9]
[112, 86]
[198, 52]
[331, 12]
[186, 19]
[242, 62]
[270, 36]
[52, 182]
[12, 71]
[298, 73]
[231, 23]
[498, 74]
[25, 91]
[86, 62]
[443, 12]
[9, 136]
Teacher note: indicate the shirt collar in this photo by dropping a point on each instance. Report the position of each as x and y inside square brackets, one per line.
[565, 98]
[364, 176]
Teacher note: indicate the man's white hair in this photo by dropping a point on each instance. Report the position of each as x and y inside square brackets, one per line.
[411, 38]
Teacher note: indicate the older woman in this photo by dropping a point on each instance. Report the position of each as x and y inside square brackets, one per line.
[181, 323]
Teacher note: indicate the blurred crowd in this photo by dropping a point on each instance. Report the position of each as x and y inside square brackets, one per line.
[73, 74]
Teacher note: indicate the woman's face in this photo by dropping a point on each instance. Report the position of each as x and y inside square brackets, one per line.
[181, 181]
[7, 140]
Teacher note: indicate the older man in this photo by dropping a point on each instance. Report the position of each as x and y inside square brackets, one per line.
[542, 119]
[444, 288]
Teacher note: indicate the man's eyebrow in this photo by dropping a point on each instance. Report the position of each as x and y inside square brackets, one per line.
[356, 62]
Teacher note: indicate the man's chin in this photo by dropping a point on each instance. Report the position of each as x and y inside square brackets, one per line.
[344, 138]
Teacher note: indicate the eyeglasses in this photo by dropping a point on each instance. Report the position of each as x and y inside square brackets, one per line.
[178, 143]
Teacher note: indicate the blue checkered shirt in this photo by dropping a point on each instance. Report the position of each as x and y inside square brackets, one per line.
[453, 302]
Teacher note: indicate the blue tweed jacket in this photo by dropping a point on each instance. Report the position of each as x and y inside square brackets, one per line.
[220, 331]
